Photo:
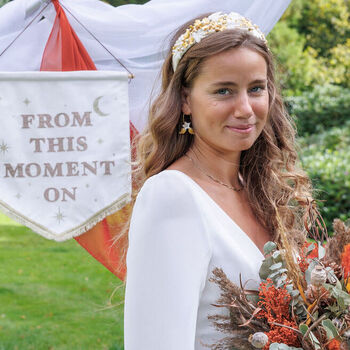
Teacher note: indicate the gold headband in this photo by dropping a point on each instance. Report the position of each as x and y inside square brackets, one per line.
[216, 22]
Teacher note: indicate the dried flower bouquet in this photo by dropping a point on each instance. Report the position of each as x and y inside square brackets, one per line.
[303, 301]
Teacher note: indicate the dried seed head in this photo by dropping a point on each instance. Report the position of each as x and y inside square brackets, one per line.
[318, 276]
[258, 339]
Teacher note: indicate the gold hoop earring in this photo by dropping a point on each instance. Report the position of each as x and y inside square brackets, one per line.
[186, 125]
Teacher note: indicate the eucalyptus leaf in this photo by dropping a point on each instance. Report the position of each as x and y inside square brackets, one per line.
[315, 341]
[332, 278]
[343, 298]
[294, 293]
[312, 265]
[328, 332]
[310, 248]
[265, 268]
[277, 273]
[338, 285]
[274, 274]
[321, 251]
[303, 328]
[280, 281]
[277, 346]
[276, 254]
[276, 266]
[269, 247]
[290, 288]
[329, 326]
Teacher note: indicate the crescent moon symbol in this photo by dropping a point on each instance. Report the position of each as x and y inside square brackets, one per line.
[97, 109]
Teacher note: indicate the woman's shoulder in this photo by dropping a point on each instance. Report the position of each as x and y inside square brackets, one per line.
[167, 182]
[169, 189]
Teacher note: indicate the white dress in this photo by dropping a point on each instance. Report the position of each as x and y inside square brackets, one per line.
[178, 235]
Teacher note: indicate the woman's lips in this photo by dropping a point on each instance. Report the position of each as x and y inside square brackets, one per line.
[242, 129]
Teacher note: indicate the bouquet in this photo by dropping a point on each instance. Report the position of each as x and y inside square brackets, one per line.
[303, 301]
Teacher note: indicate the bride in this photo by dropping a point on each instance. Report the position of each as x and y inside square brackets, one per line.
[218, 167]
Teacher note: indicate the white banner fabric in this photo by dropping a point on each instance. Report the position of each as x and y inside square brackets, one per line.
[64, 149]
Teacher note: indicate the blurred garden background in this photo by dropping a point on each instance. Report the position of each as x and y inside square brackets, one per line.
[56, 296]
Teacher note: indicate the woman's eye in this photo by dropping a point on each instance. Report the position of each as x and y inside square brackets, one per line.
[223, 91]
[257, 88]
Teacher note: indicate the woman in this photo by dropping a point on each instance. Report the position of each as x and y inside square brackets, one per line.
[220, 164]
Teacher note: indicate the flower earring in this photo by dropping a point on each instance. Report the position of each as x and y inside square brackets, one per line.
[186, 125]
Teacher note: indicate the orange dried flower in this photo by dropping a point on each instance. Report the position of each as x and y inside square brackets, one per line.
[274, 303]
[345, 260]
[304, 260]
[283, 335]
[334, 345]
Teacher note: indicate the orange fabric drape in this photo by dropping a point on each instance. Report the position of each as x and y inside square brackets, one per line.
[65, 52]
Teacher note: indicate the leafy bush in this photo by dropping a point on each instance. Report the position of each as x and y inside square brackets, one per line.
[321, 108]
[326, 158]
[298, 68]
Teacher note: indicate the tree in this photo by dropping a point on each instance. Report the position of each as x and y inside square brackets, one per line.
[311, 42]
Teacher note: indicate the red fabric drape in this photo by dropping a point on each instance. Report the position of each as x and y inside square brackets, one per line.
[65, 52]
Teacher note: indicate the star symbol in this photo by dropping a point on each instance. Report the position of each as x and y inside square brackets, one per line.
[26, 101]
[59, 216]
[3, 147]
[95, 199]
[87, 185]
[100, 141]
[186, 125]
[18, 195]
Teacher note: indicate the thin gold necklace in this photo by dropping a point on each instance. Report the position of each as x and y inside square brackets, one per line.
[213, 178]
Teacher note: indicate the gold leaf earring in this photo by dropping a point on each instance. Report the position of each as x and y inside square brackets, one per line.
[186, 125]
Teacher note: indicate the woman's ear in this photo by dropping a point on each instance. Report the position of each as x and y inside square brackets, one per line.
[185, 100]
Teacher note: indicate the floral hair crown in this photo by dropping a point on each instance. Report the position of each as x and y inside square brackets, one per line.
[216, 22]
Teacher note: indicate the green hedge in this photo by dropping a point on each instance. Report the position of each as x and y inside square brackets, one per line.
[326, 158]
[321, 108]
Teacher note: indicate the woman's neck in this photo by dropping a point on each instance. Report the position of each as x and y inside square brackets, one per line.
[220, 165]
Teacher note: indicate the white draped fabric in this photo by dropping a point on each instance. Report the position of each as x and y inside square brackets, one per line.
[137, 34]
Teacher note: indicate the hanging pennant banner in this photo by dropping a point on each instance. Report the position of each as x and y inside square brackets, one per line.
[64, 149]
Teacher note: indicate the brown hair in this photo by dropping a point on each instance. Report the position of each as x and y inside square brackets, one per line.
[275, 185]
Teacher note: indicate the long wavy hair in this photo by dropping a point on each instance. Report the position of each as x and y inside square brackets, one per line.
[278, 190]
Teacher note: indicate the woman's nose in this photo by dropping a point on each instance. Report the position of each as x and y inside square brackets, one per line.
[243, 108]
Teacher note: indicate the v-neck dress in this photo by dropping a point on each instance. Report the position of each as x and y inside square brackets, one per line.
[178, 235]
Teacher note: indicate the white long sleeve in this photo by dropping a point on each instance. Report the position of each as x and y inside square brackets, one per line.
[167, 263]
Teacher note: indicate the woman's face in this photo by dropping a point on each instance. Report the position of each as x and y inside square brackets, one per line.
[228, 100]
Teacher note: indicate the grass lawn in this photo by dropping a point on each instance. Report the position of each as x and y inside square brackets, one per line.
[53, 295]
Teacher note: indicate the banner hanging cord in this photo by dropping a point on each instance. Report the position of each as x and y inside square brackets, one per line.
[27, 26]
[131, 75]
